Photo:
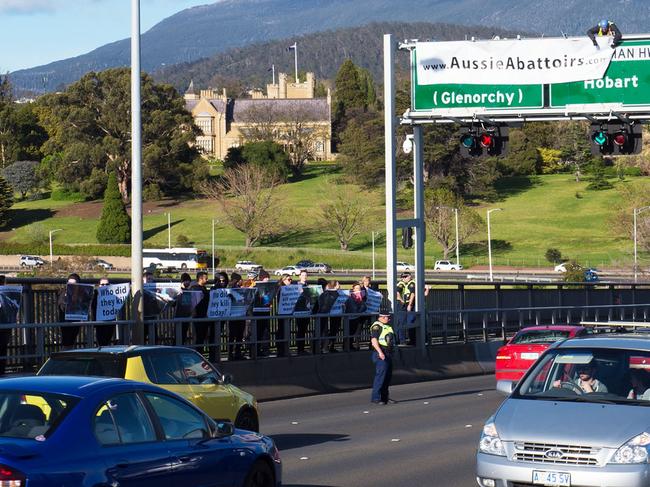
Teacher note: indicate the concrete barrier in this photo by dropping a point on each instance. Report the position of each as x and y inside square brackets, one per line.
[280, 378]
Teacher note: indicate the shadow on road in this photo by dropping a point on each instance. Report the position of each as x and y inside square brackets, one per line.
[289, 442]
[449, 394]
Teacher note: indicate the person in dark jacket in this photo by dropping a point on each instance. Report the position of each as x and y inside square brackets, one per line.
[605, 28]
[325, 303]
[356, 303]
[68, 333]
[236, 328]
[203, 329]
[103, 333]
[182, 306]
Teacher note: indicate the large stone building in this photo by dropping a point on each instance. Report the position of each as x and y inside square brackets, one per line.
[288, 113]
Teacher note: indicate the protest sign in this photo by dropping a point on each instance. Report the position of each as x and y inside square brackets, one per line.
[10, 301]
[186, 301]
[338, 308]
[373, 301]
[288, 298]
[110, 301]
[233, 302]
[264, 298]
[158, 296]
[307, 300]
[78, 300]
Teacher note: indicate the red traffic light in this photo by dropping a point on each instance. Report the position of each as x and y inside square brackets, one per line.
[486, 140]
[620, 138]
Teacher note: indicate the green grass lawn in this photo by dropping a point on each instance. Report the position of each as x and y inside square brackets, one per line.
[537, 214]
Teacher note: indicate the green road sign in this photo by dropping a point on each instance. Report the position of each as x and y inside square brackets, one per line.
[439, 97]
[627, 81]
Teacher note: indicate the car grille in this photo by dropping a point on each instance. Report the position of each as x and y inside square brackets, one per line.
[571, 454]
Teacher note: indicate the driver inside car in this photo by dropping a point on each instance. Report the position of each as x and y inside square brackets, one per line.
[586, 379]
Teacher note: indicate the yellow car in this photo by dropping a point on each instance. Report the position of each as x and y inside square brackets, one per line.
[177, 369]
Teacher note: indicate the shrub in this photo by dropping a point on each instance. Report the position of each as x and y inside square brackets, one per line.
[38, 234]
[183, 241]
[115, 224]
[574, 272]
[6, 200]
[633, 171]
[554, 256]
[152, 192]
[61, 194]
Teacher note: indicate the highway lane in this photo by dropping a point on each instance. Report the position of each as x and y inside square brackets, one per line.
[428, 438]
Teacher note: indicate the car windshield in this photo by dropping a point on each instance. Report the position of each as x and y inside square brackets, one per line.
[32, 415]
[589, 375]
[539, 336]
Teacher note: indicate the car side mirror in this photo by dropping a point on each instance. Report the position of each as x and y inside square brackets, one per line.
[224, 428]
[505, 387]
[227, 378]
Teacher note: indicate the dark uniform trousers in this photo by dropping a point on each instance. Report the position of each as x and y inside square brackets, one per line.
[383, 375]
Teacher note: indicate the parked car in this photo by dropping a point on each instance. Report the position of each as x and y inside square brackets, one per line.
[305, 263]
[578, 417]
[83, 431]
[247, 265]
[103, 264]
[313, 267]
[322, 268]
[446, 265]
[404, 267]
[560, 267]
[522, 350]
[30, 261]
[591, 275]
[292, 270]
[178, 369]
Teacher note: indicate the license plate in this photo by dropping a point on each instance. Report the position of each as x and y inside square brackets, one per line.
[553, 479]
[529, 356]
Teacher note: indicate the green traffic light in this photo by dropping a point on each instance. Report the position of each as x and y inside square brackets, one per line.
[467, 141]
[600, 137]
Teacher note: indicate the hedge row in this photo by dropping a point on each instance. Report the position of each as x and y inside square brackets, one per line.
[11, 248]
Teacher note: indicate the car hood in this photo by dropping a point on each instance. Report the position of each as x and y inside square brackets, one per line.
[574, 423]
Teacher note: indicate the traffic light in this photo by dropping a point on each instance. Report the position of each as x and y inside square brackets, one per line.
[407, 237]
[615, 138]
[483, 141]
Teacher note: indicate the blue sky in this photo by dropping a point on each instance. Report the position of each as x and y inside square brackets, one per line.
[35, 32]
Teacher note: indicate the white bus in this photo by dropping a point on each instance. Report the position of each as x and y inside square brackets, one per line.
[175, 258]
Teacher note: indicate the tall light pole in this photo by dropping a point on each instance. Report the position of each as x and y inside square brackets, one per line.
[373, 256]
[214, 273]
[637, 211]
[490, 239]
[51, 256]
[457, 239]
[136, 177]
[169, 229]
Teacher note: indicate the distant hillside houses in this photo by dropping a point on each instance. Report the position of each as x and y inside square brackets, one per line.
[288, 113]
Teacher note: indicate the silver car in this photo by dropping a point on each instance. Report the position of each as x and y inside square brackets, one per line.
[579, 417]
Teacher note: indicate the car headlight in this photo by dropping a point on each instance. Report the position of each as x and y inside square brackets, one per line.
[634, 451]
[490, 442]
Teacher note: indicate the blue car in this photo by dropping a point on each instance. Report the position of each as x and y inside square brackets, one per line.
[104, 432]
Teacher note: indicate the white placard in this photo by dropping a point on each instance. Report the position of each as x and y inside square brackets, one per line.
[288, 298]
[110, 300]
[512, 62]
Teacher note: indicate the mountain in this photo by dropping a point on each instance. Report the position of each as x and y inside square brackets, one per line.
[202, 31]
[321, 53]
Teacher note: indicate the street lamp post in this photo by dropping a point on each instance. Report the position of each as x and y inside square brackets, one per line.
[373, 256]
[490, 239]
[51, 256]
[457, 239]
[637, 211]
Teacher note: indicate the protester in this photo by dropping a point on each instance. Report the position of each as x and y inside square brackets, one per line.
[68, 333]
[262, 326]
[103, 333]
[237, 329]
[406, 305]
[356, 304]
[302, 324]
[203, 329]
[605, 28]
[183, 307]
[281, 344]
[325, 303]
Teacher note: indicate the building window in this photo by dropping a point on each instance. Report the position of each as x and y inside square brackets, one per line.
[204, 144]
[205, 124]
[320, 147]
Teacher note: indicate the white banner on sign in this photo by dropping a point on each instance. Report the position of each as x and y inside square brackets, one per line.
[373, 301]
[230, 302]
[288, 298]
[110, 300]
[220, 303]
[512, 62]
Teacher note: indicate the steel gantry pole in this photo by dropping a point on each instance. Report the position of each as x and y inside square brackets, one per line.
[418, 213]
[457, 239]
[637, 211]
[389, 140]
[136, 178]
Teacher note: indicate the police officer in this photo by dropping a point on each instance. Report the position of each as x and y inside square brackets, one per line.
[382, 340]
[605, 28]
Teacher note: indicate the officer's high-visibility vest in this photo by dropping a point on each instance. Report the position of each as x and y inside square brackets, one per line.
[609, 30]
[386, 329]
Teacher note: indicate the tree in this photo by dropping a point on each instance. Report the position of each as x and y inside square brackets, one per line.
[599, 181]
[441, 220]
[361, 151]
[621, 223]
[89, 125]
[343, 217]
[115, 224]
[574, 144]
[266, 156]
[248, 196]
[6, 200]
[22, 176]
[554, 256]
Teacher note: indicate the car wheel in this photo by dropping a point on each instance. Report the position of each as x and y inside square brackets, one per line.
[247, 420]
[260, 475]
